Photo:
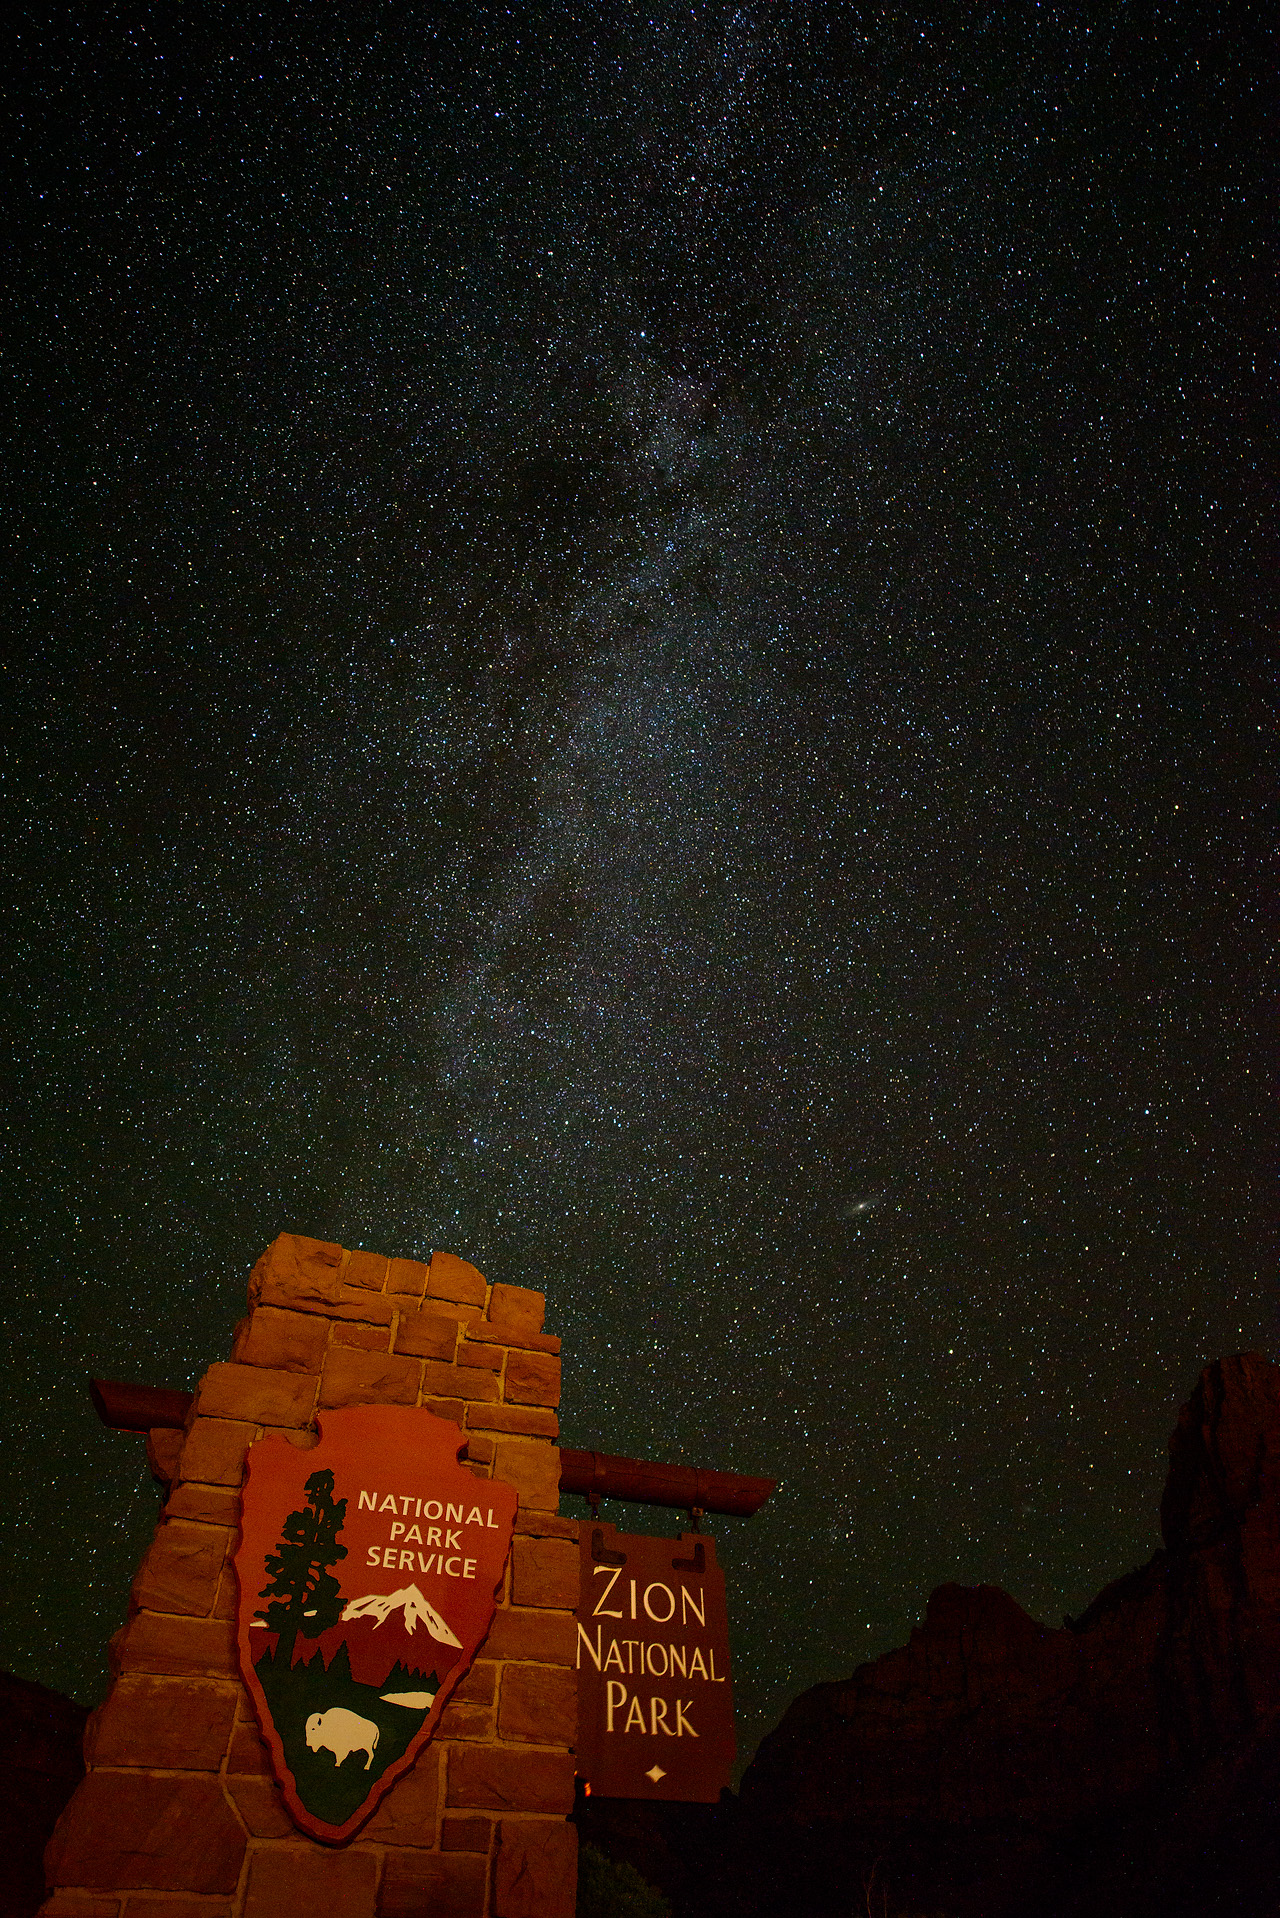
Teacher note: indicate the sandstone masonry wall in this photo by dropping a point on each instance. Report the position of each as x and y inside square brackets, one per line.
[178, 1815]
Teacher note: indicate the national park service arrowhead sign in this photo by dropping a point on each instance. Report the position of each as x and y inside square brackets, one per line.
[367, 1569]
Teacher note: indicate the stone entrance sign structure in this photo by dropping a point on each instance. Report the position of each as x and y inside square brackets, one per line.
[180, 1814]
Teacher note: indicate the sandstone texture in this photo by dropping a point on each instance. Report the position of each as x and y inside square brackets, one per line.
[178, 1813]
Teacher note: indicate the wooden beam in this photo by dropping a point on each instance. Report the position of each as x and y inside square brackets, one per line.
[138, 1408]
[685, 1488]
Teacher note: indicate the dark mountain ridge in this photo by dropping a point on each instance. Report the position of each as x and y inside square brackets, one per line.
[1126, 1764]
[40, 1766]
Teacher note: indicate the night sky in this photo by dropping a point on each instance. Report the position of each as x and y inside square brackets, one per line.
[639, 647]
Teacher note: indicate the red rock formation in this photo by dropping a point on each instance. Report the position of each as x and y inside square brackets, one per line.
[40, 1767]
[1126, 1763]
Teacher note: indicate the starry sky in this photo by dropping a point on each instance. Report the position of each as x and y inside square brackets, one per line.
[639, 647]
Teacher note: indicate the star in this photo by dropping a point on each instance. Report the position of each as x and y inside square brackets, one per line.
[665, 696]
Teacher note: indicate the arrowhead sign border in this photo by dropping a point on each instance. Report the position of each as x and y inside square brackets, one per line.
[320, 1577]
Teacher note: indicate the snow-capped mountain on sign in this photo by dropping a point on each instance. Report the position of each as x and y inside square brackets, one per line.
[348, 1683]
[380, 1605]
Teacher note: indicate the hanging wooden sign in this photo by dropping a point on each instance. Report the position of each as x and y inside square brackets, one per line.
[367, 1569]
[655, 1706]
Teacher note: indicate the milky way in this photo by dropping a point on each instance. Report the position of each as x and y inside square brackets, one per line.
[639, 656]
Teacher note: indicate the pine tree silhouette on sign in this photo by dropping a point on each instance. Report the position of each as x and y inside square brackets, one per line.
[303, 1592]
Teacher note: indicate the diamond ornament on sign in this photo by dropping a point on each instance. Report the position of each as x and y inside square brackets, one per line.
[367, 1568]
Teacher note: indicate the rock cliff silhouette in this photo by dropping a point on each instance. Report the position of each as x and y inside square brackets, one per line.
[40, 1766]
[1123, 1766]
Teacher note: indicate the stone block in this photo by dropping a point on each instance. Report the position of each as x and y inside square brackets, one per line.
[366, 1338]
[546, 1525]
[536, 1871]
[368, 1378]
[487, 1358]
[532, 1421]
[314, 1254]
[170, 1643]
[532, 1468]
[254, 1392]
[425, 1885]
[214, 1451]
[506, 1778]
[407, 1277]
[450, 1309]
[180, 1572]
[268, 1285]
[408, 1813]
[532, 1379]
[451, 1409]
[248, 1752]
[480, 1686]
[128, 1830]
[78, 1904]
[450, 1381]
[500, 1333]
[226, 1605]
[466, 1834]
[478, 1451]
[260, 1803]
[548, 1637]
[367, 1270]
[164, 1450]
[170, 1904]
[515, 1307]
[539, 1703]
[329, 1298]
[282, 1341]
[427, 1335]
[292, 1263]
[206, 1504]
[311, 1881]
[452, 1278]
[466, 1721]
[174, 1724]
[544, 1571]
[301, 1437]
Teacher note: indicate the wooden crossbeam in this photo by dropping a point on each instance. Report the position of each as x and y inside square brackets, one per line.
[685, 1488]
[138, 1408]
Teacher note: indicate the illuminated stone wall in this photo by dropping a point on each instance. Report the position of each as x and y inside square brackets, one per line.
[179, 1816]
